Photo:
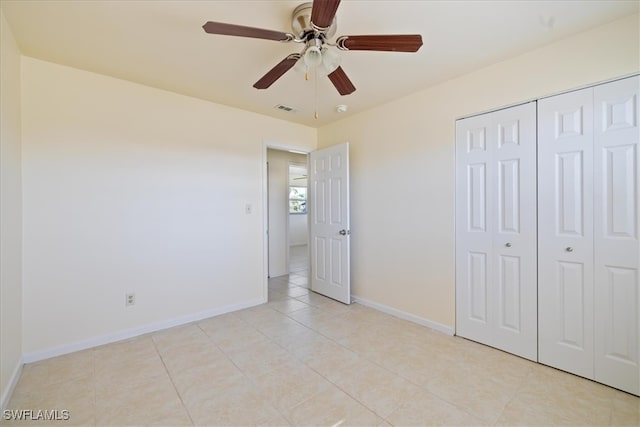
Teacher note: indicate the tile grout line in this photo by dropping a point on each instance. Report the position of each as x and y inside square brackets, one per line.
[364, 357]
[186, 409]
[234, 363]
[270, 340]
[329, 380]
[95, 388]
[515, 394]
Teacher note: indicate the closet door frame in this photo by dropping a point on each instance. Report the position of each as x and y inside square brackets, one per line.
[589, 156]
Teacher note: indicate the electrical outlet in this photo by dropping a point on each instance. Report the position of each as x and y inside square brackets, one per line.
[129, 299]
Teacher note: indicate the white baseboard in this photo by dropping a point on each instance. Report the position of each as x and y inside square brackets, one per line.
[406, 316]
[6, 395]
[131, 333]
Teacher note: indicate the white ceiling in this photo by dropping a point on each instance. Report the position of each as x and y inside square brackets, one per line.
[161, 44]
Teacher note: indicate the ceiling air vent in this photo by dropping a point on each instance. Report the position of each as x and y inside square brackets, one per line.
[285, 108]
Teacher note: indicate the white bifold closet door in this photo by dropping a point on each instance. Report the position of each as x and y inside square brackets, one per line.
[565, 181]
[496, 270]
[589, 252]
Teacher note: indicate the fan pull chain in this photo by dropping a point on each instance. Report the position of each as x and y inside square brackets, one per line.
[315, 83]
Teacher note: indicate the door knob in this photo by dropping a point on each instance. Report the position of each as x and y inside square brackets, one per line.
[343, 232]
[569, 249]
[508, 244]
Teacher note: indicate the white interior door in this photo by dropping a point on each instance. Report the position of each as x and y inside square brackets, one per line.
[565, 226]
[617, 249]
[329, 238]
[496, 271]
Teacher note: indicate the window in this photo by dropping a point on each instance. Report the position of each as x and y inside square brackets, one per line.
[297, 200]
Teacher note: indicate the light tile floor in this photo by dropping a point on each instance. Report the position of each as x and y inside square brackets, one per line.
[305, 360]
[298, 259]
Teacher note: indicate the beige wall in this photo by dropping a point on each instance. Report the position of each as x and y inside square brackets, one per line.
[11, 211]
[279, 162]
[402, 164]
[133, 189]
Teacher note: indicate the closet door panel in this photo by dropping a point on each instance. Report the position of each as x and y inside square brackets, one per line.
[617, 248]
[496, 230]
[565, 230]
[473, 230]
[515, 231]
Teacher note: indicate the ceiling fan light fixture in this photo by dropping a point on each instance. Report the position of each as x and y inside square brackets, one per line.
[330, 60]
[313, 57]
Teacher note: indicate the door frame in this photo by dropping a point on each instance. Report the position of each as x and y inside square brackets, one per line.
[265, 205]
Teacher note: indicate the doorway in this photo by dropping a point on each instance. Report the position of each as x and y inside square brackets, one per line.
[328, 229]
[287, 224]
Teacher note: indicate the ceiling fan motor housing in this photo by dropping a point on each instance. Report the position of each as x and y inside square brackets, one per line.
[301, 23]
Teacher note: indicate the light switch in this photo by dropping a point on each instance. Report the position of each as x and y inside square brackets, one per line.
[248, 209]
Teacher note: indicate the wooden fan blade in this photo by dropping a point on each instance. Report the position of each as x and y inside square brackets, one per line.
[385, 42]
[323, 12]
[341, 82]
[276, 72]
[242, 31]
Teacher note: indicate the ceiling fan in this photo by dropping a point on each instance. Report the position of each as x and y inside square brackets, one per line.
[313, 25]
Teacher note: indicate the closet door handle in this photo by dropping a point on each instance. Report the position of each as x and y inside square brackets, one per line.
[508, 244]
[569, 249]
